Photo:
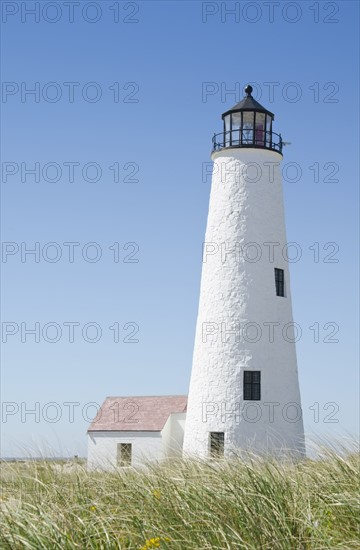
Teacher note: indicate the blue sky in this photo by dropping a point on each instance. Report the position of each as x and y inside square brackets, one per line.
[165, 73]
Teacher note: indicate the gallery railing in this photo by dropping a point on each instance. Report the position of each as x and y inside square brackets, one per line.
[248, 138]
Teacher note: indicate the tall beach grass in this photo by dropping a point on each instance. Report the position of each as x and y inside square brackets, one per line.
[252, 504]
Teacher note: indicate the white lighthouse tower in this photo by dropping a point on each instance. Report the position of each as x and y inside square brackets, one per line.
[244, 389]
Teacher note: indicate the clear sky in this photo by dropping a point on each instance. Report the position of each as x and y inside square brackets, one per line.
[127, 97]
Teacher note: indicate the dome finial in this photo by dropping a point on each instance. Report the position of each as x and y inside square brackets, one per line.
[248, 90]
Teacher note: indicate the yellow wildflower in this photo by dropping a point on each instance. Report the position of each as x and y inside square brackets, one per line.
[155, 542]
[157, 493]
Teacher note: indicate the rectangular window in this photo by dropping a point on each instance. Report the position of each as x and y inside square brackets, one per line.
[216, 444]
[252, 385]
[124, 452]
[279, 282]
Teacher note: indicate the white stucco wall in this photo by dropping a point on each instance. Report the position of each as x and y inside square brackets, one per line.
[102, 448]
[236, 291]
[146, 446]
[173, 434]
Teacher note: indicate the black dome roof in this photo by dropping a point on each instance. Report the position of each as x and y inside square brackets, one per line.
[248, 104]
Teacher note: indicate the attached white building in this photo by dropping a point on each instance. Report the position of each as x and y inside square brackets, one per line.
[129, 431]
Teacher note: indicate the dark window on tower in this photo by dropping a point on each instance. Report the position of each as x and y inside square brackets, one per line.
[252, 385]
[279, 282]
[216, 444]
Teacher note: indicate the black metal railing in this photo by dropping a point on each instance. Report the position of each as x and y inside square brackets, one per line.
[248, 138]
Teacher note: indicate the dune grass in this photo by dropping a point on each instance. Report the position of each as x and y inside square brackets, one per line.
[256, 504]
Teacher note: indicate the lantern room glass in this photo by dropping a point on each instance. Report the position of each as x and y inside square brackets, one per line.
[227, 127]
[268, 131]
[260, 129]
[248, 127]
[236, 127]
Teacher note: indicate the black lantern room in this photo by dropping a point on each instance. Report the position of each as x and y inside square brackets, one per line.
[248, 124]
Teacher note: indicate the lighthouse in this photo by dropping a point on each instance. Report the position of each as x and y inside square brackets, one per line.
[244, 389]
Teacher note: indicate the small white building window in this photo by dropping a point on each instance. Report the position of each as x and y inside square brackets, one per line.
[124, 452]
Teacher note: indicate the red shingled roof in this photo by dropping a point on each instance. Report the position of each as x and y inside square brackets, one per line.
[135, 414]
